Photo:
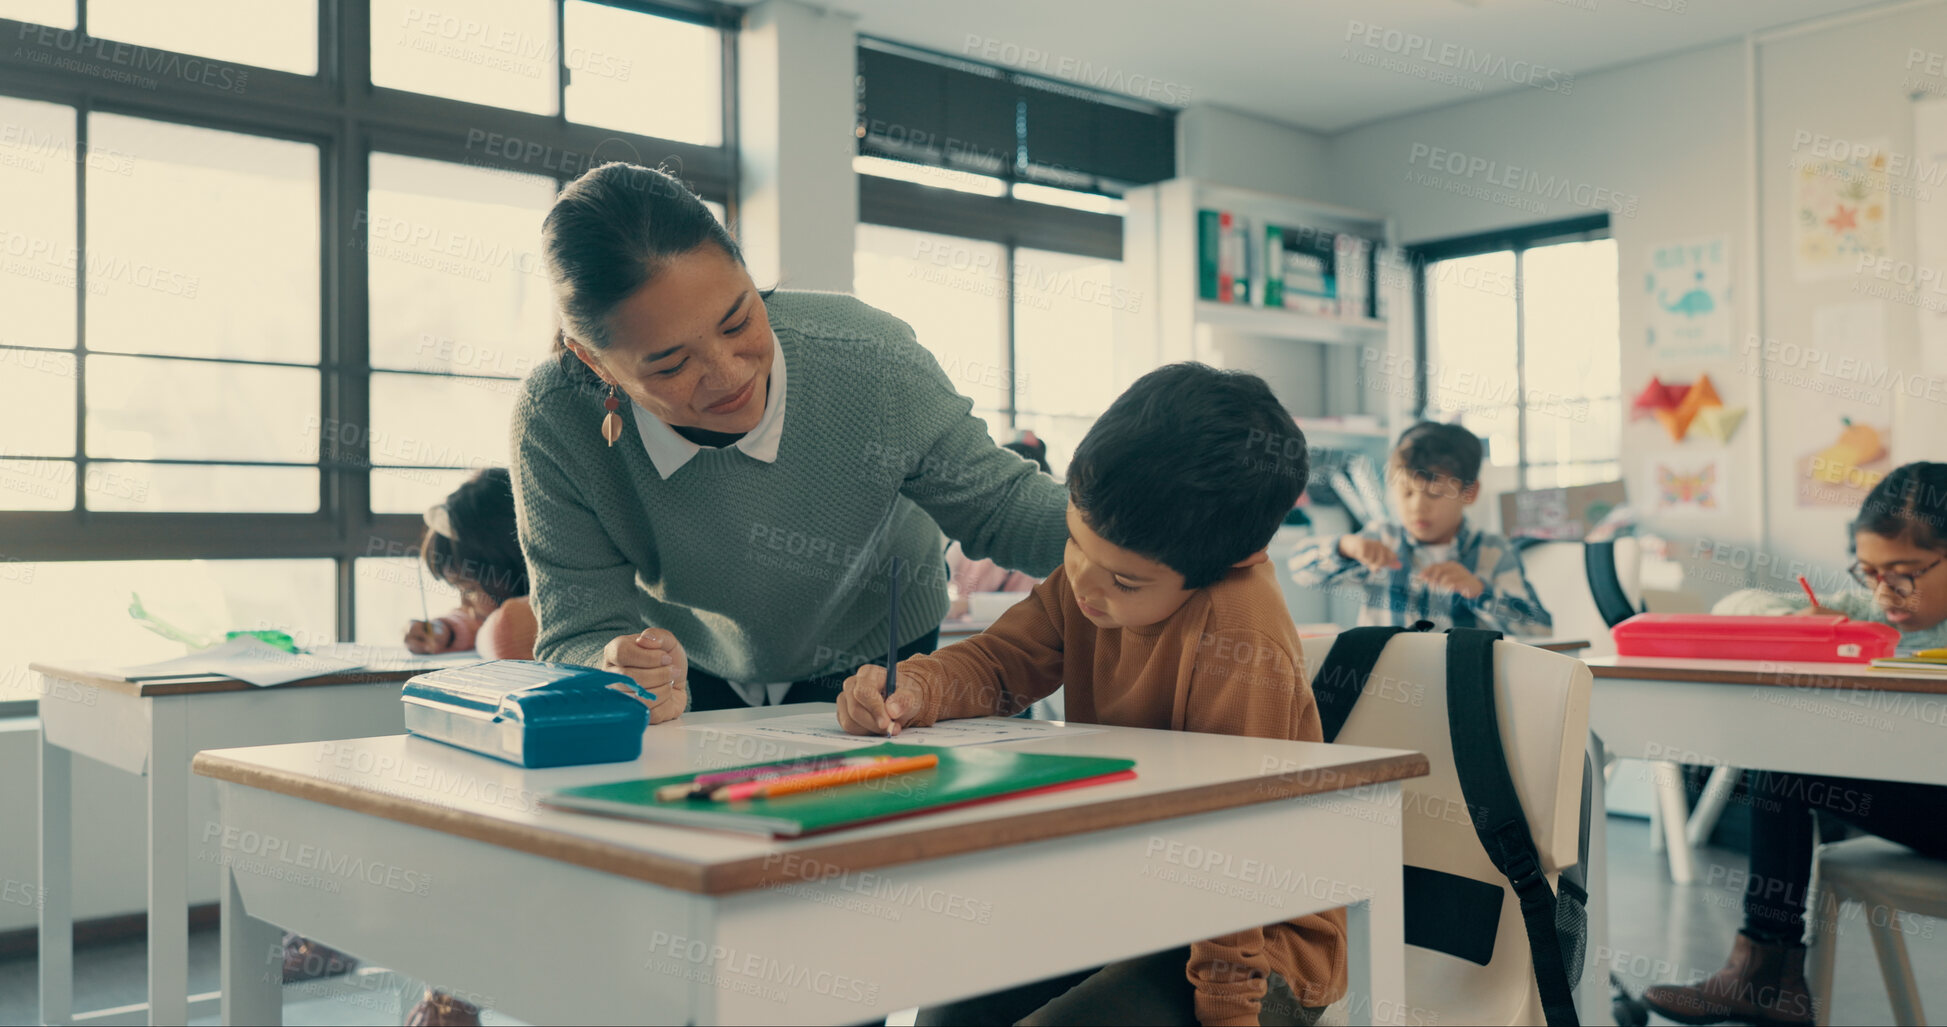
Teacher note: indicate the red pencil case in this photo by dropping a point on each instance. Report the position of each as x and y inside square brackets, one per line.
[1827, 639]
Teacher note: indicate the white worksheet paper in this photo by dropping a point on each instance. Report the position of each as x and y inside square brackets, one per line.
[244, 658]
[823, 729]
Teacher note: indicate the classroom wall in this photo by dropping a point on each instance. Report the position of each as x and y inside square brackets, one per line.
[799, 209]
[1680, 140]
[110, 834]
[1662, 140]
[1222, 145]
[1853, 83]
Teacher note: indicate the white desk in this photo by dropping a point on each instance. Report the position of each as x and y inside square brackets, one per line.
[463, 879]
[1845, 719]
[152, 730]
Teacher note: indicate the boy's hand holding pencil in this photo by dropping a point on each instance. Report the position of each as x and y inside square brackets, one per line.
[863, 708]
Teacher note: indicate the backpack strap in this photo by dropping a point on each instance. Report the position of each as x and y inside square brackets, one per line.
[1341, 679]
[1488, 789]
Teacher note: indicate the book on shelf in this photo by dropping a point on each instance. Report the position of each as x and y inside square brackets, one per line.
[1227, 262]
[1354, 255]
[1247, 261]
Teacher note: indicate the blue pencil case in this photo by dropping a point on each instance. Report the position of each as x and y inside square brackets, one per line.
[528, 713]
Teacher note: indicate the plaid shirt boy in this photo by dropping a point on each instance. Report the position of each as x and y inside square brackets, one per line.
[1395, 597]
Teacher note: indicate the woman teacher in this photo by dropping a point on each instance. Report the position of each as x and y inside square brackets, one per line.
[711, 481]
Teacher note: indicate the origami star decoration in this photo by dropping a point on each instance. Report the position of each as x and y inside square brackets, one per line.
[1679, 406]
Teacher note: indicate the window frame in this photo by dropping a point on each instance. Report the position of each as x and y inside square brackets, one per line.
[1517, 240]
[348, 118]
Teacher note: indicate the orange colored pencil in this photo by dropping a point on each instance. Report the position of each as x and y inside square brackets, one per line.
[825, 779]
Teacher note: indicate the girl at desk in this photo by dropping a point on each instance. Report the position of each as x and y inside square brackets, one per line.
[470, 544]
[966, 575]
[1899, 545]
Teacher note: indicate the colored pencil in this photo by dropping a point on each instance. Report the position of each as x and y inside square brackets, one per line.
[703, 784]
[1807, 586]
[881, 767]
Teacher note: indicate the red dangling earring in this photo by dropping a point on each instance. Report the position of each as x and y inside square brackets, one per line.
[612, 422]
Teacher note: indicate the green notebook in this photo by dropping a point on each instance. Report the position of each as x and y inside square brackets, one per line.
[965, 775]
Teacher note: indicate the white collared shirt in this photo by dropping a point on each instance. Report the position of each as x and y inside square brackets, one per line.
[669, 451]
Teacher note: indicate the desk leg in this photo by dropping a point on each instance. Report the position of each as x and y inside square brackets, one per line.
[57, 884]
[253, 962]
[168, 860]
[1376, 932]
[1675, 820]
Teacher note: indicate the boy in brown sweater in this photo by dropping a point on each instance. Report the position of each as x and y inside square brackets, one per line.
[1164, 614]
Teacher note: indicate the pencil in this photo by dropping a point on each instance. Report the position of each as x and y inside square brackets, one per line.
[1809, 594]
[704, 784]
[419, 575]
[892, 631]
[878, 768]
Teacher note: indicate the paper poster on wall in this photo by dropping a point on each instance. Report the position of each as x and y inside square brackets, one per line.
[1846, 362]
[1840, 210]
[1689, 301]
[1686, 488]
[1930, 209]
[1841, 471]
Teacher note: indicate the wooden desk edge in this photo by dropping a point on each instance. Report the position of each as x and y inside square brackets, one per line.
[1849, 678]
[818, 861]
[212, 683]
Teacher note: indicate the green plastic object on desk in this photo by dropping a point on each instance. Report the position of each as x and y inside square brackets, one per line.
[175, 634]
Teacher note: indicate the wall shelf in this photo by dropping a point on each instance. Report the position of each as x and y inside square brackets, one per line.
[1278, 323]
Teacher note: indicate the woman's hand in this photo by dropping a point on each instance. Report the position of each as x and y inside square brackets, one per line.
[428, 636]
[656, 661]
[864, 710]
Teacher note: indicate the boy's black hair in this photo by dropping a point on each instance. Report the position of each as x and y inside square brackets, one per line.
[483, 547]
[1908, 505]
[1192, 467]
[1430, 449]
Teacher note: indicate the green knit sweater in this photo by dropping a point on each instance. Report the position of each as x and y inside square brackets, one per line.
[774, 572]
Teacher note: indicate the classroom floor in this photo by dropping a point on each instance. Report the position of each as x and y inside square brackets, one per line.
[1665, 931]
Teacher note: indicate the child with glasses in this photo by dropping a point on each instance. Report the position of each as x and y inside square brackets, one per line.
[1899, 541]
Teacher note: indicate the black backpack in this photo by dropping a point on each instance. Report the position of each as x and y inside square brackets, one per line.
[1459, 915]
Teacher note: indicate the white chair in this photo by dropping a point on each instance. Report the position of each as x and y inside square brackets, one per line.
[1883, 879]
[1587, 588]
[1542, 705]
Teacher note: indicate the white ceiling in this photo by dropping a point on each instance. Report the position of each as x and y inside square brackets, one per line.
[1292, 60]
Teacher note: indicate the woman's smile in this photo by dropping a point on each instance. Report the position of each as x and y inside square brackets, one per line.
[735, 401]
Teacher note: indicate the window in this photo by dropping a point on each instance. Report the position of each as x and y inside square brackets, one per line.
[992, 223]
[495, 52]
[644, 74]
[954, 294]
[1522, 347]
[290, 315]
[54, 13]
[460, 313]
[1064, 345]
[204, 257]
[393, 591]
[1049, 368]
[280, 34]
[58, 609]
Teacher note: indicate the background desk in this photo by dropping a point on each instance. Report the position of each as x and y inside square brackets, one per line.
[1845, 719]
[562, 917]
[152, 729]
